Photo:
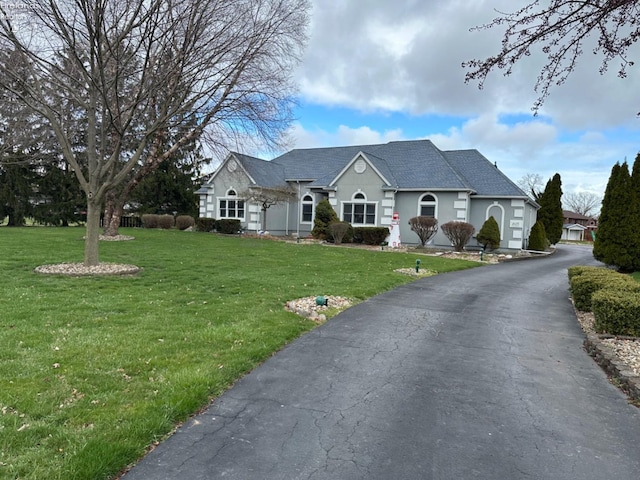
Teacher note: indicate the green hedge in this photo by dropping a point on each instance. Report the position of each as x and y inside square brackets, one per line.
[370, 235]
[583, 286]
[204, 224]
[617, 312]
[580, 269]
[228, 226]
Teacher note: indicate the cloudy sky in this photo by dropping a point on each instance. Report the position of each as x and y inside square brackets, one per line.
[385, 70]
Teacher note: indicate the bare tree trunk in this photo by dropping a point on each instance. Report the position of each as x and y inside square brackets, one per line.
[112, 215]
[92, 232]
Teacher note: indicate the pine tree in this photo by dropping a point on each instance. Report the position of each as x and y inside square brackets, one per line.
[616, 242]
[489, 234]
[550, 213]
[170, 188]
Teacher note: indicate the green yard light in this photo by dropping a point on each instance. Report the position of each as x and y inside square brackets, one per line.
[418, 265]
[320, 300]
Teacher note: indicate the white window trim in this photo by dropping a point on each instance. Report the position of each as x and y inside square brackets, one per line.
[360, 201]
[313, 209]
[235, 197]
[502, 216]
[422, 203]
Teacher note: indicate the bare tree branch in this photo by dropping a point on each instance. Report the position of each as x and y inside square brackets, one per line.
[560, 29]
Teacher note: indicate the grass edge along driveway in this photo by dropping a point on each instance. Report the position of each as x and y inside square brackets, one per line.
[94, 370]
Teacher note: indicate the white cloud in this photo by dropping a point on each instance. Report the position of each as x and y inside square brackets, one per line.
[406, 56]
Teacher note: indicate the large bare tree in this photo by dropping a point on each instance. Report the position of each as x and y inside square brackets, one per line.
[149, 76]
[561, 29]
[584, 203]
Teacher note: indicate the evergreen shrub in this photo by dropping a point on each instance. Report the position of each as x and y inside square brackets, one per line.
[538, 237]
[204, 224]
[184, 221]
[228, 226]
[617, 312]
[370, 235]
[489, 234]
[580, 269]
[325, 215]
[150, 220]
[583, 286]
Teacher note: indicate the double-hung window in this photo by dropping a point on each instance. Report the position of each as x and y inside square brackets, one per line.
[231, 206]
[359, 211]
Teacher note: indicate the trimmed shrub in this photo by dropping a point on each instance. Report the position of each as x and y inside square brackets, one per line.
[458, 233]
[580, 269]
[204, 224]
[370, 235]
[325, 215]
[538, 238]
[424, 227]
[150, 220]
[337, 231]
[617, 312]
[184, 221]
[166, 221]
[583, 286]
[229, 226]
[489, 234]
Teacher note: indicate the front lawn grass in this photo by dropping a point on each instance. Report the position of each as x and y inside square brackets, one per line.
[93, 370]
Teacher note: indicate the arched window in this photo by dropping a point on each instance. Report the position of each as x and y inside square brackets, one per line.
[427, 206]
[359, 211]
[307, 209]
[230, 206]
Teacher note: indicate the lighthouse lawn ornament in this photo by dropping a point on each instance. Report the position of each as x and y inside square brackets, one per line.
[394, 231]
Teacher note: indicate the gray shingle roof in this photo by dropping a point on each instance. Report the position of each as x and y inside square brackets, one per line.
[265, 174]
[416, 164]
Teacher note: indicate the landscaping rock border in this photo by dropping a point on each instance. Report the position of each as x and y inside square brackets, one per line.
[613, 365]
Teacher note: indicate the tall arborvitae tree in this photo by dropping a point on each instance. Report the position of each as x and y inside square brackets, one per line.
[550, 213]
[616, 238]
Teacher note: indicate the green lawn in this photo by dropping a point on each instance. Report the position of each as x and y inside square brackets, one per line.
[94, 370]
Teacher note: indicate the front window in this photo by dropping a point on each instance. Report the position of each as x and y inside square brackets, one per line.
[231, 206]
[427, 206]
[359, 211]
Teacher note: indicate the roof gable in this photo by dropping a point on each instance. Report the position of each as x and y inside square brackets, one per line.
[362, 156]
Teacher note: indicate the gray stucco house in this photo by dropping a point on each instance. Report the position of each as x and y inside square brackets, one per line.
[367, 185]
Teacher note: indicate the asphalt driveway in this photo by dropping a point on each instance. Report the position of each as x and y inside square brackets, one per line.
[479, 374]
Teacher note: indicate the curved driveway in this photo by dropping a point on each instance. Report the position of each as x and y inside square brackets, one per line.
[477, 374]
